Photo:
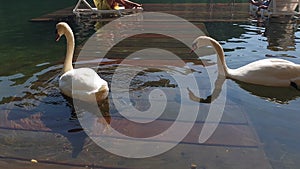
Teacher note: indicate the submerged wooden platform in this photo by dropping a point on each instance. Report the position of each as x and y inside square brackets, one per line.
[234, 144]
[224, 12]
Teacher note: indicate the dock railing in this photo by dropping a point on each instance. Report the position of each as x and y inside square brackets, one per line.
[87, 7]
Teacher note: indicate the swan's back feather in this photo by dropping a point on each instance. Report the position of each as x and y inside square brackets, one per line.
[83, 81]
[270, 72]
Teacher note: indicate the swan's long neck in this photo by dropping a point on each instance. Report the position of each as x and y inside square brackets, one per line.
[70, 50]
[220, 52]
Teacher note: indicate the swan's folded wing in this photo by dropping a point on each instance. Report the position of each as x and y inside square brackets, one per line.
[83, 80]
[269, 72]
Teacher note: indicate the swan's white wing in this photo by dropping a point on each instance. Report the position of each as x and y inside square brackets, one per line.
[269, 72]
[83, 81]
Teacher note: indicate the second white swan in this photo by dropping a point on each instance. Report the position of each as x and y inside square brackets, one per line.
[266, 72]
[83, 83]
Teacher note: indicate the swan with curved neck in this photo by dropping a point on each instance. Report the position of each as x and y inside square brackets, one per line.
[266, 72]
[82, 83]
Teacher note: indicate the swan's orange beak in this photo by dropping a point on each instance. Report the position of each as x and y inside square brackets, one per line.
[57, 37]
[194, 47]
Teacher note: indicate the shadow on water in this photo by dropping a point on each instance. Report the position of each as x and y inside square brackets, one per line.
[281, 95]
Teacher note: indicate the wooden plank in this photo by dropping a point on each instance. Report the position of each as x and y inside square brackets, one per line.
[235, 127]
[25, 163]
[58, 155]
[228, 135]
[60, 15]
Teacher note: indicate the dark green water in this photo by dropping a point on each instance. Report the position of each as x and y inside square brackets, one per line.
[23, 43]
[29, 97]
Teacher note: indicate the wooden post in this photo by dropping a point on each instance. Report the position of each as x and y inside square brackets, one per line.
[298, 6]
[274, 6]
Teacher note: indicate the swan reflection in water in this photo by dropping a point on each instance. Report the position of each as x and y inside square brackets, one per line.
[215, 94]
[281, 95]
[93, 115]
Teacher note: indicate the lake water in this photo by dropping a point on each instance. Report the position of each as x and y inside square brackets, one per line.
[32, 109]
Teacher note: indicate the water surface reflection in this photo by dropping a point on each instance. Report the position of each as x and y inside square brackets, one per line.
[280, 33]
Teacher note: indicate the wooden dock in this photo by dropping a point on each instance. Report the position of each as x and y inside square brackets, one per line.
[194, 12]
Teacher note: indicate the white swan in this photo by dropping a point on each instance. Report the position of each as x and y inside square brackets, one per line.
[266, 72]
[83, 83]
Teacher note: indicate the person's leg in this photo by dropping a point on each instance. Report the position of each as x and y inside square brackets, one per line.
[256, 3]
[104, 4]
[265, 5]
[111, 3]
[128, 4]
[133, 3]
